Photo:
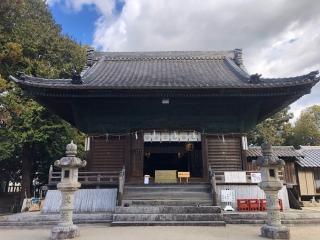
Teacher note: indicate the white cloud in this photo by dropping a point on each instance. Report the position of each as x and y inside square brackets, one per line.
[279, 37]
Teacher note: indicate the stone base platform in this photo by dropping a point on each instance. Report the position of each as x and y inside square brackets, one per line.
[291, 217]
[65, 232]
[275, 232]
[38, 219]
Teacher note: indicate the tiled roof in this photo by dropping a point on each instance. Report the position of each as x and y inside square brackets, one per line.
[277, 151]
[167, 70]
[311, 156]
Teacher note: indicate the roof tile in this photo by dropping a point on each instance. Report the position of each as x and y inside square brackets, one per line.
[277, 151]
[311, 156]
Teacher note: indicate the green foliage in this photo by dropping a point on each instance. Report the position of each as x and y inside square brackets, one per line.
[31, 42]
[307, 127]
[279, 131]
[275, 129]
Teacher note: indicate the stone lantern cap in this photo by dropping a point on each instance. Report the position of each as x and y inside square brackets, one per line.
[268, 159]
[70, 160]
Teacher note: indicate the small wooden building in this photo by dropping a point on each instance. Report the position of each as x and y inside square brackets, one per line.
[287, 153]
[308, 168]
[187, 111]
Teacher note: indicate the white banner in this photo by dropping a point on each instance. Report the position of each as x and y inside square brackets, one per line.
[175, 136]
[235, 177]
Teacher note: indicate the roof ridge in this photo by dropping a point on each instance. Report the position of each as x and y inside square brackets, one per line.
[166, 54]
[237, 69]
[147, 58]
[310, 75]
[276, 146]
[308, 147]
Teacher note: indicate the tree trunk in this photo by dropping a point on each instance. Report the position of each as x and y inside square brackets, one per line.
[27, 164]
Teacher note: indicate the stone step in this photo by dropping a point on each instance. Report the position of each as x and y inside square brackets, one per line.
[175, 188]
[167, 209]
[167, 195]
[166, 202]
[128, 184]
[169, 223]
[167, 217]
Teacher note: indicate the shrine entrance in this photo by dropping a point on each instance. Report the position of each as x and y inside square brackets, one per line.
[179, 156]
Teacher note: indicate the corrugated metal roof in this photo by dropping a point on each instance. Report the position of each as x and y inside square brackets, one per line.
[277, 151]
[167, 70]
[311, 156]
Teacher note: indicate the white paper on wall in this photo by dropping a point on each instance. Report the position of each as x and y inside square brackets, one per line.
[256, 177]
[228, 195]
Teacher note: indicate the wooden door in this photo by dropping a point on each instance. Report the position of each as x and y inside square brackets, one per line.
[306, 182]
[137, 156]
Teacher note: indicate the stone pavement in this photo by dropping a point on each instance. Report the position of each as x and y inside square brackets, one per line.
[103, 232]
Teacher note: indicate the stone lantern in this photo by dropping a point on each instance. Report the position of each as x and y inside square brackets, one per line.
[271, 184]
[68, 185]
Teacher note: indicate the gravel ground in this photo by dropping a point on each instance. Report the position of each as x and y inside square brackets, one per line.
[97, 232]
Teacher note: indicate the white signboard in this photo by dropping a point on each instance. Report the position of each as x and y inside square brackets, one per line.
[235, 177]
[256, 177]
[228, 195]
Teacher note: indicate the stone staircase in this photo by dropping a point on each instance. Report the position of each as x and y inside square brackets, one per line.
[168, 204]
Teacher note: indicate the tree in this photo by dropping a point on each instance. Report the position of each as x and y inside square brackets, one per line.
[307, 128]
[31, 137]
[275, 129]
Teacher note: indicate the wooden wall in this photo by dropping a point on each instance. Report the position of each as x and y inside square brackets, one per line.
[223, 154]
[107, 155]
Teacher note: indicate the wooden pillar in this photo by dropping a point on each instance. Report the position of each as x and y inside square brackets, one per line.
[243, 155]
[204, 156]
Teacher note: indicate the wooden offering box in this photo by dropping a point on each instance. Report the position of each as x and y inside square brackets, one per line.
[165, 176]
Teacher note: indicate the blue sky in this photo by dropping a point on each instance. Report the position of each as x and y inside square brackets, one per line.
[79, 25]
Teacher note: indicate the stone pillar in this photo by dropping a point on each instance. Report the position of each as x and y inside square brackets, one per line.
[271, 184]
[68, 185]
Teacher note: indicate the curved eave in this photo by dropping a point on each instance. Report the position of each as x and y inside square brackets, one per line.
[47, 87]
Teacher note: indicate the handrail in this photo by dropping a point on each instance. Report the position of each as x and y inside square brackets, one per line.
[220, 178]
[50, 175]
[88, 178]
[212, 180]
[122, 179]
